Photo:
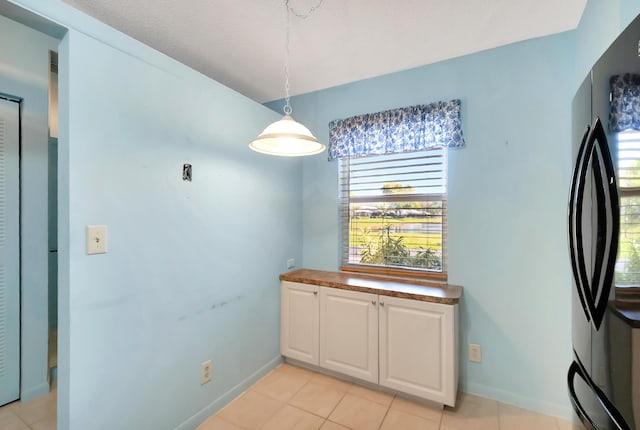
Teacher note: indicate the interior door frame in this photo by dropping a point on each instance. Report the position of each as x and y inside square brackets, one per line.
[18, 100]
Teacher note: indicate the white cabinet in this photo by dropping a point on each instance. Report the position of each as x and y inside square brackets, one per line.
[299, 322]
[418, 348]
[406, 345]
[349, 333]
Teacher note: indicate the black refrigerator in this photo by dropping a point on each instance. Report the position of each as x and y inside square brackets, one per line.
[604, 376]
[594, 215]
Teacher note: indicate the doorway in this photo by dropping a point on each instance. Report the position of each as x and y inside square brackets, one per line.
[26, 45]
[52, 211]
[9, 249]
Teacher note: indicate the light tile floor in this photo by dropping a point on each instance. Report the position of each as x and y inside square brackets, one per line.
[38, 414]
[292, 398]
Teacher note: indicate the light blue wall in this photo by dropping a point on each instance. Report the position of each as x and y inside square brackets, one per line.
[601, 22]
[24, 68]
[507, 196]
[507, 206]
[192, 268]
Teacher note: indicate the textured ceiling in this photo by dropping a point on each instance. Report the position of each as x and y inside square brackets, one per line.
[241, 43]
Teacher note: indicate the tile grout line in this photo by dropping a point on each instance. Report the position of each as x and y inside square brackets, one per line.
[285, 403]
[24, 423]
[386, 413]
[298, 390]
[319, 416]
[334, 408]
[309, 412]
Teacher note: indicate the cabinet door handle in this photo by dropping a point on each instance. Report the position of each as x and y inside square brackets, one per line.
[381, 303]
[315, 293]
[373, 302]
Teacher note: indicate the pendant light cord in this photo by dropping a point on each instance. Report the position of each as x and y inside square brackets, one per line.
[289, 10]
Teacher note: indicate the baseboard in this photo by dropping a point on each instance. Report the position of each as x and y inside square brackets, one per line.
[227, 397]
[34, 392]
[370, 385]
[536, 405]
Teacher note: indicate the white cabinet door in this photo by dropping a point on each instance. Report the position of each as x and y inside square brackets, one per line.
[349, 333]
[299, 322]
[418, 348]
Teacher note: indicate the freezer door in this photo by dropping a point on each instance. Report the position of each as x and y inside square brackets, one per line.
[592, 406]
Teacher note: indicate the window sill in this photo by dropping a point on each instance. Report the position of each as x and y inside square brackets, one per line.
[393, 272]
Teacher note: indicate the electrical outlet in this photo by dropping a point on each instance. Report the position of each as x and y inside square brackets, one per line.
[475, 353]
[205, 372]
[291, 263]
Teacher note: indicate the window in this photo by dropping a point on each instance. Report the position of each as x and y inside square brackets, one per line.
[393, 186]
[393, 210]
[628, 263]
[625, 122]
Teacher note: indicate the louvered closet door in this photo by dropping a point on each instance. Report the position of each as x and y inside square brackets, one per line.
[9, 254]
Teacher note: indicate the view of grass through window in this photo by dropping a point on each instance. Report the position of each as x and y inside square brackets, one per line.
[394, 210]
[409, 234]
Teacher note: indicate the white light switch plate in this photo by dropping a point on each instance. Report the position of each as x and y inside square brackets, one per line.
[475, 353]
[96, 239]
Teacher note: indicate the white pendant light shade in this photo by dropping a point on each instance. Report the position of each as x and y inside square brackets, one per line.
[288, 138]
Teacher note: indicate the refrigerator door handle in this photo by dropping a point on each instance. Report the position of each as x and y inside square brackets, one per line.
[594, 154]
[576, 246]
[576, 369]
[608, 220]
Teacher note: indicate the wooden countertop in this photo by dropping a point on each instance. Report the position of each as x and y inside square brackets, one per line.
[396, 287]
[630, 314]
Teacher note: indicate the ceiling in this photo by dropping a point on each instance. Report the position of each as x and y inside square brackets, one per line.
[241, 43]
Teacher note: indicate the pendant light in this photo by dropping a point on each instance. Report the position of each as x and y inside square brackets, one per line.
[287, 137]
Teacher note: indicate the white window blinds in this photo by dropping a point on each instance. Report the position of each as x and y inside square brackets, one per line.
[393, 210]
[628, 263]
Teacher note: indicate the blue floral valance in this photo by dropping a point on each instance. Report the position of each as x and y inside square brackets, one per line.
[625, 103]
[406, 129]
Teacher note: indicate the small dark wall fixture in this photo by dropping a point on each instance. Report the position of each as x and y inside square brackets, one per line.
[186, 172]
